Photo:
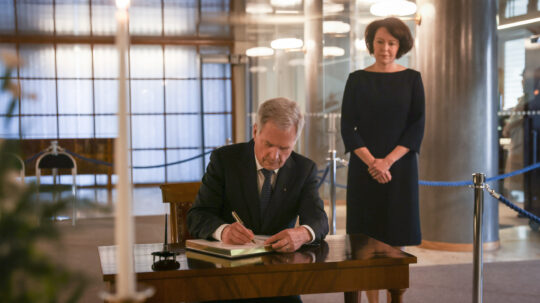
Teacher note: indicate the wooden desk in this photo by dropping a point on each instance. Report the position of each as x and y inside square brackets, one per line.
[341, 264]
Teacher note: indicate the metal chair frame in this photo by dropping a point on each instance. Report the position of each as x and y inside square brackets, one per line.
[55, 150]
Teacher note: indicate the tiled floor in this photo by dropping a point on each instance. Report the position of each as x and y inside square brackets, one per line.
[518, 242]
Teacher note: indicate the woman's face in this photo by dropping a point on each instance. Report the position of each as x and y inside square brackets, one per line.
[385, 46]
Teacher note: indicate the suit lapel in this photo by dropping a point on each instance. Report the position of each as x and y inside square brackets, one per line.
[284, 177]
[251, 194]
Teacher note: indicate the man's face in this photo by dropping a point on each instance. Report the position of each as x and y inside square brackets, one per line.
[273, 146]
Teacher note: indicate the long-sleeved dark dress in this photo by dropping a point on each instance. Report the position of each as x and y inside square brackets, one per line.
[381, 111]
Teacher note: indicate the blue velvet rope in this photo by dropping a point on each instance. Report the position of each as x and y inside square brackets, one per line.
[518, 209]
[29, 160]
[99, 162]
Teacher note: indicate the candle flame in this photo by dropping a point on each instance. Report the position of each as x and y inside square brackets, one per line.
[122, 4]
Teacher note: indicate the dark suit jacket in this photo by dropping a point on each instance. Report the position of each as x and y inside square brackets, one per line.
[230, 183]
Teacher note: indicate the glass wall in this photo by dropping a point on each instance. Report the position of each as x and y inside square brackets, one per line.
[180, 103]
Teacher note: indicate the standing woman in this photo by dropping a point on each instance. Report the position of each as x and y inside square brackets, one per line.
[382, 125]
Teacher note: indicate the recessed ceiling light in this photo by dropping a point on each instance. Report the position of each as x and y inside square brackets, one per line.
[335, 27]
[333, 51]
[286, 43]
[258, 8]
[385, 8]
[260, 51]
[285, 3]
[332, 8]
[258, 69]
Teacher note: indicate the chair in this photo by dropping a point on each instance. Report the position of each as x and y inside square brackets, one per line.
[56, 158]
[180, 196]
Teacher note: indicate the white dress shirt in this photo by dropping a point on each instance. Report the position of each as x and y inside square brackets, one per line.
[260, 181]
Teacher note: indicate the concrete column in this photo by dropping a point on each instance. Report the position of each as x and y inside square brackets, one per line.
[313, 143]
[456, 54]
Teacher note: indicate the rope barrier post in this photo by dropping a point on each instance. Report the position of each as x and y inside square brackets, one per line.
[333, 191]
[478, 181]
[332, 151]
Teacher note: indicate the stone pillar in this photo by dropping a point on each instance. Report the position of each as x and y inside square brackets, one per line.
[313, 142]
[456, 54]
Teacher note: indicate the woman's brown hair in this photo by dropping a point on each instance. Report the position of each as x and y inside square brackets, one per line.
[396, 28]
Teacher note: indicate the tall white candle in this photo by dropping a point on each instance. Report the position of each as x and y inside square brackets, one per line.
[125, 279]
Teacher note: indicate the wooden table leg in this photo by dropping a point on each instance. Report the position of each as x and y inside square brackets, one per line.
[397, 295]
[352, 297]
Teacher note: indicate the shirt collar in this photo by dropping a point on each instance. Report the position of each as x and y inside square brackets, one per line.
[259, 166]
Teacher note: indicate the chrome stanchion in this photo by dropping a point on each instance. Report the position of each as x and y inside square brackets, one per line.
[478, 276]
[332, 159]
[333, 191]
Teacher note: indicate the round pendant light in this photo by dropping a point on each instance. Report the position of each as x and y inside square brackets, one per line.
[385, 8]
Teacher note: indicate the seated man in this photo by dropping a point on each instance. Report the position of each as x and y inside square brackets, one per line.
[267, 184]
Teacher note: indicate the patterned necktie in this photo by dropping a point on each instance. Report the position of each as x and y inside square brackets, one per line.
[266, 191]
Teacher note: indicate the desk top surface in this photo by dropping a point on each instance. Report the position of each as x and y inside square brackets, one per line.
[336, 251]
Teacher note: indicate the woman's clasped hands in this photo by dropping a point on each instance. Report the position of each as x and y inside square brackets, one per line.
[380, 170]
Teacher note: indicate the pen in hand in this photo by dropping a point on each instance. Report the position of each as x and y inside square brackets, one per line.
[237, 219]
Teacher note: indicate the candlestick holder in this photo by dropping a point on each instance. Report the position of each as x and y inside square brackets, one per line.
[137, 297]
[166, 258]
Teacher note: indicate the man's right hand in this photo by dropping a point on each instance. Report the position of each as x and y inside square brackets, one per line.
[236, 233]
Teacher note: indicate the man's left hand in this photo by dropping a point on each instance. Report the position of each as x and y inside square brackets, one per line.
[290, 239]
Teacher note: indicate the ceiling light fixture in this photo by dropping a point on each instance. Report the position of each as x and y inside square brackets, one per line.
[385, 8]
[335, 27]
[260, 51]
[287, 43]
[333, 51]
[258, 8]
[258, 69]
[332, 8]
[285, 3]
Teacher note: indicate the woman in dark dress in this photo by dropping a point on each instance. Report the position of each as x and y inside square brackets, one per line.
[382, 125]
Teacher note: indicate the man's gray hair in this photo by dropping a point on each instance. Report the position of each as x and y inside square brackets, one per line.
[283, 112]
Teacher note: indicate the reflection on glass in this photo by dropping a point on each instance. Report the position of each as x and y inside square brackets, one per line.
[106, 98]
[216, 94]
[38, 60]
[9, 127]
[183, 131]
[146, 61]
[8, 48]
[35, 16]
[38, 127]
[72, 18]
[105, 61]
[216, 130]
[210, 70]
[106, 126]
[214, 7]
[7, 16]
[147, 96]
[74, 61]
[182, 96]
[181, 62]
[145, 17]
[45, 90]
[186, 172]
[147, 131]
[76, 127]
[147, 158]
[103, 17]
[180, 18]
[75, 97]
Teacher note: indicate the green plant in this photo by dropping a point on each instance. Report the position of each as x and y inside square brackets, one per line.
[27, 273]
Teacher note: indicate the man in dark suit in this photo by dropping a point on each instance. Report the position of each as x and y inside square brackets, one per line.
[267, 184]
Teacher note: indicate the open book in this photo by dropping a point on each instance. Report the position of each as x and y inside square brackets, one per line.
[221, 249]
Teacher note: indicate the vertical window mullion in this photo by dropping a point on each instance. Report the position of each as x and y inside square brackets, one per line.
[201, 102]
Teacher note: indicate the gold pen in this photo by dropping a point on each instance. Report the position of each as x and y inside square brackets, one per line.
[237, 219]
